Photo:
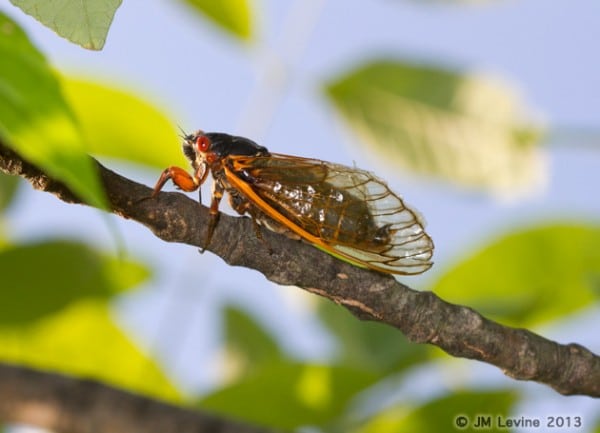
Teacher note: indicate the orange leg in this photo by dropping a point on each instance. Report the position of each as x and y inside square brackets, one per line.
[187, 182]
[217, 195]
[180, 178]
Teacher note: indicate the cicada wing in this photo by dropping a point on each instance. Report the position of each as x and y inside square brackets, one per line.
[407, 248]
[346, 211]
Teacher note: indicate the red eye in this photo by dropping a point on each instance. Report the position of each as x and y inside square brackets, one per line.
[202, 143]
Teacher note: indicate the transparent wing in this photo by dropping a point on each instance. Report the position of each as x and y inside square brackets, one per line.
[346, 211]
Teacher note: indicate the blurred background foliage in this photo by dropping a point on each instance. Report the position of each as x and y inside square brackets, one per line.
[59, 291]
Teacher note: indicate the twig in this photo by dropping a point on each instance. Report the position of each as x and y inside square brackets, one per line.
[421, 316]
[65, 404]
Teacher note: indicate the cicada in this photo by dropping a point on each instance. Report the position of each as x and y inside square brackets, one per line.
[347, 212]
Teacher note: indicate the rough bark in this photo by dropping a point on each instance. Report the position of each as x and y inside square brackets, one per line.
[422, 316]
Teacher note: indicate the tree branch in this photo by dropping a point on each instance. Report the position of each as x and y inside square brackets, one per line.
[65, 404]
[421, 316]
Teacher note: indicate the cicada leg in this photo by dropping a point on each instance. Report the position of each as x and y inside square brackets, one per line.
[243, 206]
[181, 178]
[217, 195]
[249, 209]
[187, 182]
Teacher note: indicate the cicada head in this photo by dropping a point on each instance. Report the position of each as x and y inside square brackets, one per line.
[205, 148]
[190, 148]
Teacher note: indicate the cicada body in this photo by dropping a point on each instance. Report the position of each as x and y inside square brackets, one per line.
[345, 211]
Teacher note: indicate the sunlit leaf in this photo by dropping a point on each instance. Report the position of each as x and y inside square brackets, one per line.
[83, 22]
[83, 340]
[8, 189]
[529, 277]
[463, 128]
[370, 345]
[290, 393]
[446, 414]
[287, 395]
[40, 279]
[35, 120]
[233, 16]
[120, 125]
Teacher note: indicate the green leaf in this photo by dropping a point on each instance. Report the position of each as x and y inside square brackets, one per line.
[287, 395]
[35, 121]
[442, 414]
[120, 125]
[529, 277]
[290, 393]
[251, 345]
[83, 340]
[370, 345]
[83, 22]
[232, 15]
[40, 279]
[8, 190]
[465, 129]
